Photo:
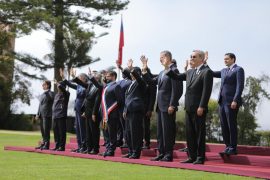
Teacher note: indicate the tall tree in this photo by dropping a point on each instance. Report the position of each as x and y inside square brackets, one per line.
[253, 94]
[54, 16]
[77, 43]
[10, 90]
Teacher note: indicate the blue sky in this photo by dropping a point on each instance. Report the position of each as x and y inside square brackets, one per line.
[222, 26]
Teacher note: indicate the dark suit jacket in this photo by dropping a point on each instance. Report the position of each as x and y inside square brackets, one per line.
[124, 84]
[112, 95]
[169, 90]
[80, 94]
[198, 87]
[45, 105]
[92, 100]
[232, 84]
[60, 104]
[134, 96]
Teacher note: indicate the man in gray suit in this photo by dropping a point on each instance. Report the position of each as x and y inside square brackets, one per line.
[169, 93]
[199, 82]
[45, 114]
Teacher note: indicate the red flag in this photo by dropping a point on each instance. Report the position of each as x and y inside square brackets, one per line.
[121, 43]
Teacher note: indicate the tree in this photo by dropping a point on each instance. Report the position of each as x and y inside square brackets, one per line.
[53, 17]
[10, 90]
[77, 44]
[253, 94]
[213, 129]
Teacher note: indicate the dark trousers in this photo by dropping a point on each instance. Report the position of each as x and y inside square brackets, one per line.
[166, 133]
[92, 134]
[121, 134]
[134, 130]
[45, 127]
[228, 120]
[105, 135]
[112, 126]
[146, 128]
[80, 130]
[195, 133]
[60, 130]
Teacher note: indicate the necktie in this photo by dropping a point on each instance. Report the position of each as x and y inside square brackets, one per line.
[227, 71]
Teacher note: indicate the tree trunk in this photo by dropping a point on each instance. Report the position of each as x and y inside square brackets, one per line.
[59, 38]
[6, 73]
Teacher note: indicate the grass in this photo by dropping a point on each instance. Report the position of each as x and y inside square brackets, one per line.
[22, 165]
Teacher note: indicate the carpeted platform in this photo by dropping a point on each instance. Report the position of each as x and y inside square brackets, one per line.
[251, 161]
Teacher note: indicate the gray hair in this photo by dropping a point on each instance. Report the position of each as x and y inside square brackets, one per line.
[167, 54]
[84, 76]
[201, 53]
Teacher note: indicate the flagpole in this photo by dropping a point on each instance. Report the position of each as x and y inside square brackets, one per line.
[118, 75]
[121, 44]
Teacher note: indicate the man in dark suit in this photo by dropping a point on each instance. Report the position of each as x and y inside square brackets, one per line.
[133, 114]
[45, 114]
[60, 106]
[91, 112]
[232, 85]
[79, 121]
[111, 100]
[199, 82]
[169, 93]
[149, 102]
[124, 84]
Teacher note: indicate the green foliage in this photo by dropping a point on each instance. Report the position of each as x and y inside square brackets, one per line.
[264, 138]
[58, 17]
[213, 129]
[21, 122]
[253, 94]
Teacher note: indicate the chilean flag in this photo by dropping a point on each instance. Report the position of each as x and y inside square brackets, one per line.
[121, 43]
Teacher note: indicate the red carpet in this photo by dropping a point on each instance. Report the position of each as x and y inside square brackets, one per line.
[251, 161]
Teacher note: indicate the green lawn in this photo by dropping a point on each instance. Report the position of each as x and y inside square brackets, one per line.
[22, 165]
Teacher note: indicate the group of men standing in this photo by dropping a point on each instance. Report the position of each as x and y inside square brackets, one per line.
[124, 108]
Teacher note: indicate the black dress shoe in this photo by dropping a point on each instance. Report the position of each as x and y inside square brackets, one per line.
[157, 158]
[82, 150]
[45, 148]
[39, 147]
[119, 143]
[225, 151]
[166, 159]
[54, 149]
[198, 161]
[94, 152]
[126, 155]
[231, 152]
[75, 150]
[61, 149]
[134, 156]
[107, 153]
[188, 161]
[86, 151]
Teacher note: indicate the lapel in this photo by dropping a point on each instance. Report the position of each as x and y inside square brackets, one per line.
[190, 73]
[43, 97]
[195, 76]
[160, 78]
[228, 74]
[132, 86]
